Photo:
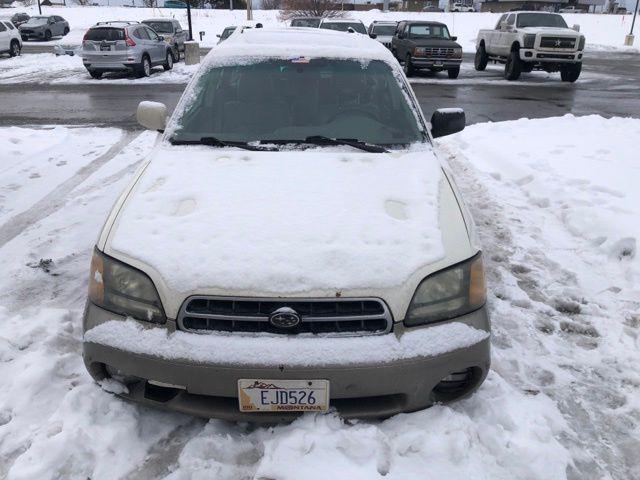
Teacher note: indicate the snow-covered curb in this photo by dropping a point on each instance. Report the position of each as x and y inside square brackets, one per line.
[276, 350]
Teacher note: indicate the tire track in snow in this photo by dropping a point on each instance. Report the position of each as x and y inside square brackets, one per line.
[57, 197]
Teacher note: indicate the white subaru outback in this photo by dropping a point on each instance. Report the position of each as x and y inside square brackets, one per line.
[292, 244]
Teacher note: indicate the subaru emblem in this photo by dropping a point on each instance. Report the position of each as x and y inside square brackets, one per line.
[284, 317]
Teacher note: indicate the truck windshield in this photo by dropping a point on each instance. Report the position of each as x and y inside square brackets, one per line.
[428, 31]
[540, 20]
[287, 101]
[384, 30]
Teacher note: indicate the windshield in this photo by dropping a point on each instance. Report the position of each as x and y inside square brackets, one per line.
[161, 27]
[540, 20]
[107, 34]
[306, 22]
[384, 30]
[428, 31]
[344, 26]
[277, 100]
[37, 21]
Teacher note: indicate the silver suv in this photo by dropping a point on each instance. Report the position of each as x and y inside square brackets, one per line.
[124, 46]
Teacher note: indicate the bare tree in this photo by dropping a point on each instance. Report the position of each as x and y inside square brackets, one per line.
[310, 8]
[271, 4]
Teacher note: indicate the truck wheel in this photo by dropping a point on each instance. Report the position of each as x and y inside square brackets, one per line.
[513, 67]
[570, 73]
[95, 74]
[481, 59]
[14, 49]
[453, 72]
[408, 67]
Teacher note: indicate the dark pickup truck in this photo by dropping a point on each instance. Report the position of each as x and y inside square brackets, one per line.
[426, 45]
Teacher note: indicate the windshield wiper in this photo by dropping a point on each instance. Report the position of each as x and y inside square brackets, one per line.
[216, 142]
[322, 140]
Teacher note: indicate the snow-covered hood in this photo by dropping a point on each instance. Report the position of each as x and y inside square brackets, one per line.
[202, 220]
[550, 31]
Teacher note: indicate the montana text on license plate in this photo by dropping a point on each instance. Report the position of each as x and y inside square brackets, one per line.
[260, 395]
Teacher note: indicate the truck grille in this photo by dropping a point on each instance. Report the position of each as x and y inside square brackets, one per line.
[558, 42]
[331, 317]
[437, 52]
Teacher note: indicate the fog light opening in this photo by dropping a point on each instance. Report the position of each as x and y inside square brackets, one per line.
[159, 393]
[120, 376]
[456, 384]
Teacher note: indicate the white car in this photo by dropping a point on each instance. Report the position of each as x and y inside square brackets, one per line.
[292, 243]
[10, 41]
[462, 7]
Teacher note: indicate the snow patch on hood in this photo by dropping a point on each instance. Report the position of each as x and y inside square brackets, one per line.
[283, 222]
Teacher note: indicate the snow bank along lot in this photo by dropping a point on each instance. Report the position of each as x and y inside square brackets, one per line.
[559, 221]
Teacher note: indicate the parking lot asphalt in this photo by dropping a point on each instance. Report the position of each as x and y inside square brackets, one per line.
[609, 86]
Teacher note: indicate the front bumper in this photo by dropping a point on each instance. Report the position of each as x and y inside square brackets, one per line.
[550, 56]
[366, 389]
[32, 34]
[436, 63]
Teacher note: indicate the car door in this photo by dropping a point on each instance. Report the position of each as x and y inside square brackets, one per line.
[157, 48]
[5, 37]
[506, 35]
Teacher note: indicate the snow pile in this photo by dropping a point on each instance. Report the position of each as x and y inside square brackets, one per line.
[254, 226]
[50, 69]
[562, 400]
[602, 31]
[278, 350]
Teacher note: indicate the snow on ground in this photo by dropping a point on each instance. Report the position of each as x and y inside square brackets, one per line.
[557, 212]
[601, 30]
[47, 68]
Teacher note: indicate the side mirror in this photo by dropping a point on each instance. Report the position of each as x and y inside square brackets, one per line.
[152, 115]
[576, 27]
[373, 35]
[454, 38]
[446, 121]
[160, 38]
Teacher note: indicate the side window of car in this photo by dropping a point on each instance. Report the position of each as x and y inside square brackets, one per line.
[177, 27]
[2, 27]
[152, 35]
[10, 25]
[511, 19]
[141, 33]
[502, 19]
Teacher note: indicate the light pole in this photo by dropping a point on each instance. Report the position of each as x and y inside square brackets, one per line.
[39, 8]
[628, 40]
[189, 20]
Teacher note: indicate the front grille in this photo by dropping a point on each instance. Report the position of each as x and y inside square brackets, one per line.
[558, 42]
[555, 56]
[28, 32]
[349, 316]
[438, 52]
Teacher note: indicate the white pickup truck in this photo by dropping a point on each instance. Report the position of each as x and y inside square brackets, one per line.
[525, 41]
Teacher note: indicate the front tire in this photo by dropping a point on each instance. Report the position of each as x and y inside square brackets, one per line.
[453, 72]
[95, 74]
[47, 35]
[513, 67]
[409, 71]
[14, 50]
[571, 73]
[481, 59]
[168, 61]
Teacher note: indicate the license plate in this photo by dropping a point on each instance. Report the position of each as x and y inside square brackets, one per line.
[105, 48]
[259, 395]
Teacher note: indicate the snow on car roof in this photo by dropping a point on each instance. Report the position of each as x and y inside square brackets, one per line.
[299, 42]
[341, 20]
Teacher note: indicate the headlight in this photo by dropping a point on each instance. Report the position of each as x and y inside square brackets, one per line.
[457, 53]
[449, 293]
[529, 40]
[581, 43]
[122, 289]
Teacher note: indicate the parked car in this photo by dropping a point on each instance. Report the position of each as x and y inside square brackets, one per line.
[174, 4]
[10, 41]
[462, 7]
[383, 31]
[343, 25]
[308, 22]
[432, 8]
[44, 27]
[19, 18]
[124, 46]
[172, 32]
[67, 49]
[525, 41]
[372, 300]
[571, 9]
[426, 45]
